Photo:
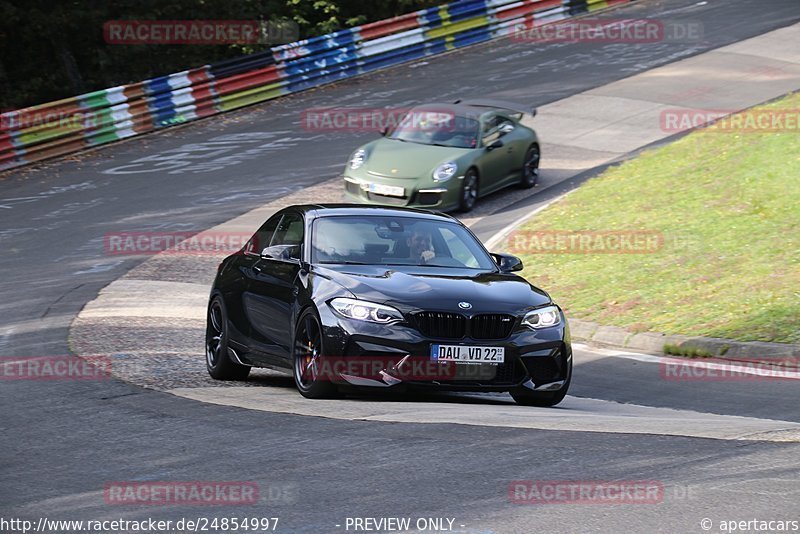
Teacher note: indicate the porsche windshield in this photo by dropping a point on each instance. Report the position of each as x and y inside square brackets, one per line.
[383, 240]
[439, 128]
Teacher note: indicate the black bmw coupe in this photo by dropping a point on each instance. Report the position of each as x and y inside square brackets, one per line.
[355, 296]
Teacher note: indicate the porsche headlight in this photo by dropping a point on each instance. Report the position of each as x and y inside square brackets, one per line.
[358, 158]
[445, 171]
[542, 318]
[362, 310]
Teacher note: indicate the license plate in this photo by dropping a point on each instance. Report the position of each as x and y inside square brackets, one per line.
[387, 190]
[467, 354]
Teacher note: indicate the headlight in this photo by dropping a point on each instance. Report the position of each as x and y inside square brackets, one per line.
[358, 158]
[542, 318]
[362, 310]
[445, 171]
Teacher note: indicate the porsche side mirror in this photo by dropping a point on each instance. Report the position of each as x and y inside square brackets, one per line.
[507, 262]
[497, 143]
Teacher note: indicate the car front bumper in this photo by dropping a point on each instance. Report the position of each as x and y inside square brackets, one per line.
[442, 196]
[400, 357]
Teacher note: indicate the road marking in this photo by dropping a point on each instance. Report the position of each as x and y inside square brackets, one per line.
[9, 203]
[214, 154]
[100, 268]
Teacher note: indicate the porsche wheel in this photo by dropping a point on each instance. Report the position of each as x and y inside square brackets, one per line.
[530, 169]
[469, 191]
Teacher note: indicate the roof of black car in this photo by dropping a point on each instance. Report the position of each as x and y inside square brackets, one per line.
[327, 210]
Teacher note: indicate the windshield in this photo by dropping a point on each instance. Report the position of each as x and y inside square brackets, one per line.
[437, 128]
[386, 240]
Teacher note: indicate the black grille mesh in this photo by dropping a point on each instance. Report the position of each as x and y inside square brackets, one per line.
[445, 325]
[491, 326]
[442, 324]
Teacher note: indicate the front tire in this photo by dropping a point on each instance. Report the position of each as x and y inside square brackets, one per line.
[218, 361]
[469, 192]
[544, 399]
[530, 168]
[306, 353]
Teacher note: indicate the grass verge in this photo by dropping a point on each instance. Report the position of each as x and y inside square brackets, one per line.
[711, 230]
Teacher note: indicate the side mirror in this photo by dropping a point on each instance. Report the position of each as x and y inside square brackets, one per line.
[497, 143]
[281, 253]
[507, 262]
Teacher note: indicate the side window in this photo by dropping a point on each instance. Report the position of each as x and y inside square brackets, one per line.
[505, 126]
[263, 236]
[496, 127]
[289, 231]
[492, 122]
[490, 131]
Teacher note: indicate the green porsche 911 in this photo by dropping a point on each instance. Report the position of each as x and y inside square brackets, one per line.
[446, 156]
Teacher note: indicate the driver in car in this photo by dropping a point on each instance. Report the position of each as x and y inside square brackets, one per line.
[420, 244]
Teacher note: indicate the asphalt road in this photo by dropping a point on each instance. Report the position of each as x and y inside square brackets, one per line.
[62, 442]
[55, 216]
[315, 472]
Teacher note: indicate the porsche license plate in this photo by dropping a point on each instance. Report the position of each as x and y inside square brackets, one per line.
[387, 190]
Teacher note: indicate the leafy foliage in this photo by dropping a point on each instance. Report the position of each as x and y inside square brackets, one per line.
[56, 49]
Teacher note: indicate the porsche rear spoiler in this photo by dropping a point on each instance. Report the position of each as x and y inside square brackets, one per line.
[501, 104]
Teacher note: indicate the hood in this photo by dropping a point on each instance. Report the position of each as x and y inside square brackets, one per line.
[437, 289]
[410, 160]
